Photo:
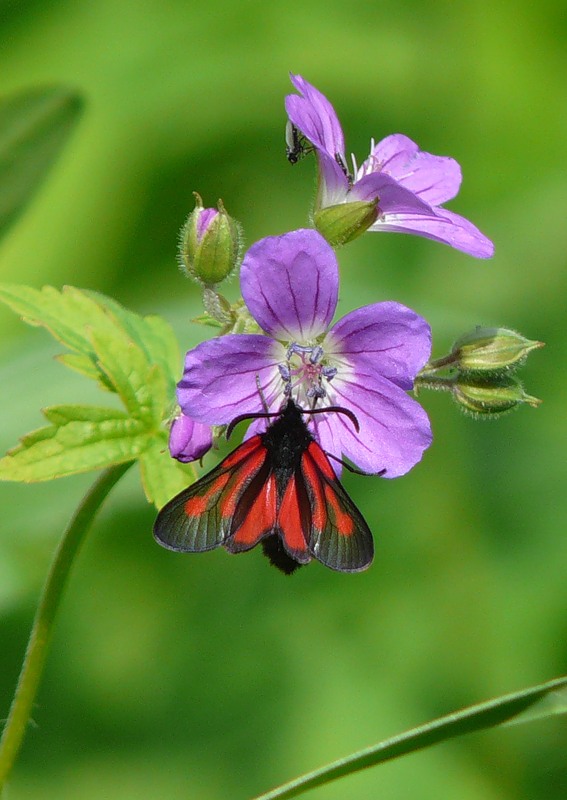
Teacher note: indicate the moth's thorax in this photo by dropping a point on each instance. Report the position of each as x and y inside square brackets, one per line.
[287, 439]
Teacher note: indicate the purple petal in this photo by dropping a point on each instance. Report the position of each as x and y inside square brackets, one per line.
[393, 198]
[435, 179]
[387, 338]
[334, 185]
[290, 284]
[205, 218]
[188, 439]
[394, 428]
[442, 226]
[315, 117]
[228, 376]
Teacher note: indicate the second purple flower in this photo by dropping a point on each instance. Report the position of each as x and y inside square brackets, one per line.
[408, 184]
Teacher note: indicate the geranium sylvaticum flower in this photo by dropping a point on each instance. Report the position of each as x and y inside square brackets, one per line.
[365, 362]
[408, 184]
[189, 440]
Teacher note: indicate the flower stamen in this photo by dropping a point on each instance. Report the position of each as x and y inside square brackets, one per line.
[306, 371]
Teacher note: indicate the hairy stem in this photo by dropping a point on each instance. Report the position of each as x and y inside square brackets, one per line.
[428, 380]
[42, 629]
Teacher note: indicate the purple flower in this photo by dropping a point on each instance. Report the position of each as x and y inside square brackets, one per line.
[365, 362]
[409, 184]
[189, 440]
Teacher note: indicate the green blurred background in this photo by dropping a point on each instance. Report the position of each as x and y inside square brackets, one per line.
[215, 676]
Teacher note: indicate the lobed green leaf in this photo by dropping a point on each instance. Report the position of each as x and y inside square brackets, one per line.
[80, 438]
[152, 334]
[120, 349]
[136, 357]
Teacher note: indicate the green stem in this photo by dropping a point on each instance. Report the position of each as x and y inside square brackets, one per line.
[441, 363]
[428, 380]
[40, 636]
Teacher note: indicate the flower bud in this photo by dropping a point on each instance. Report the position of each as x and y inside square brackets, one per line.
[344, 222]
[189, 440]
[491, 350]
[210, 244]
[488, 398]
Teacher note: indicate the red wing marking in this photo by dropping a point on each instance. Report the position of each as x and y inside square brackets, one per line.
[200, 503]
[202, 516]
[242, 451]
[341, 518]
[292, 523]
[312, 476]
[240, 477]
[339, 536]
[321, 461]
[259, 519]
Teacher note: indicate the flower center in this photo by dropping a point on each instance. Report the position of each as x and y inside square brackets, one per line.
[306, 372]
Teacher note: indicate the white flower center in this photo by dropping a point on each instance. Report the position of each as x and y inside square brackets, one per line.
[306, 373]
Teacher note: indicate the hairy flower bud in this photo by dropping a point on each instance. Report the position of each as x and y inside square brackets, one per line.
[344, 222]
[490, 397]
[491, 350]
[210, 244]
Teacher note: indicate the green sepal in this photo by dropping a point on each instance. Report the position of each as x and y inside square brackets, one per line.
[206, 319]
[345, 222]
[79, 439]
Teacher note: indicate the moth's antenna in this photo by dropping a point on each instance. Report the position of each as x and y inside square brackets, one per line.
[254, 415]
[354, 469]
[338, 409]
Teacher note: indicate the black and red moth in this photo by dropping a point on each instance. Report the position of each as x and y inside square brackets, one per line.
[278, 488]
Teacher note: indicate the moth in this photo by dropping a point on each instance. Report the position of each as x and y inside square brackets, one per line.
[279, 489]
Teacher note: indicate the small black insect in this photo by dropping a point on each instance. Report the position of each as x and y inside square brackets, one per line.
[296, 145]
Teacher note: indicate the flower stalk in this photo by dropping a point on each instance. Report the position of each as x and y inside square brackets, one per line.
[43, 624]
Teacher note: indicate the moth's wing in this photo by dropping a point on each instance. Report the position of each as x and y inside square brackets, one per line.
[294, 518]
[339, 536]
[255, 511]
[201, 517]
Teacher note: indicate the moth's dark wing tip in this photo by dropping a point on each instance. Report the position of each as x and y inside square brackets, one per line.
[345, 559]
[174, 530]
[274, 551]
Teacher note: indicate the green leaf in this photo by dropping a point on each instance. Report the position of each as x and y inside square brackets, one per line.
[34, 126]
[85, 366]
[505, 709]
[69, 315]
[80, 438]
[136, 357]
[127, 369]
[152, 333]
[163, 476]
[117, 347]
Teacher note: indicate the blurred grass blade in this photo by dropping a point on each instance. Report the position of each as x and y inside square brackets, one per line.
[505, 709]
[34, 126]
[550, 705]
